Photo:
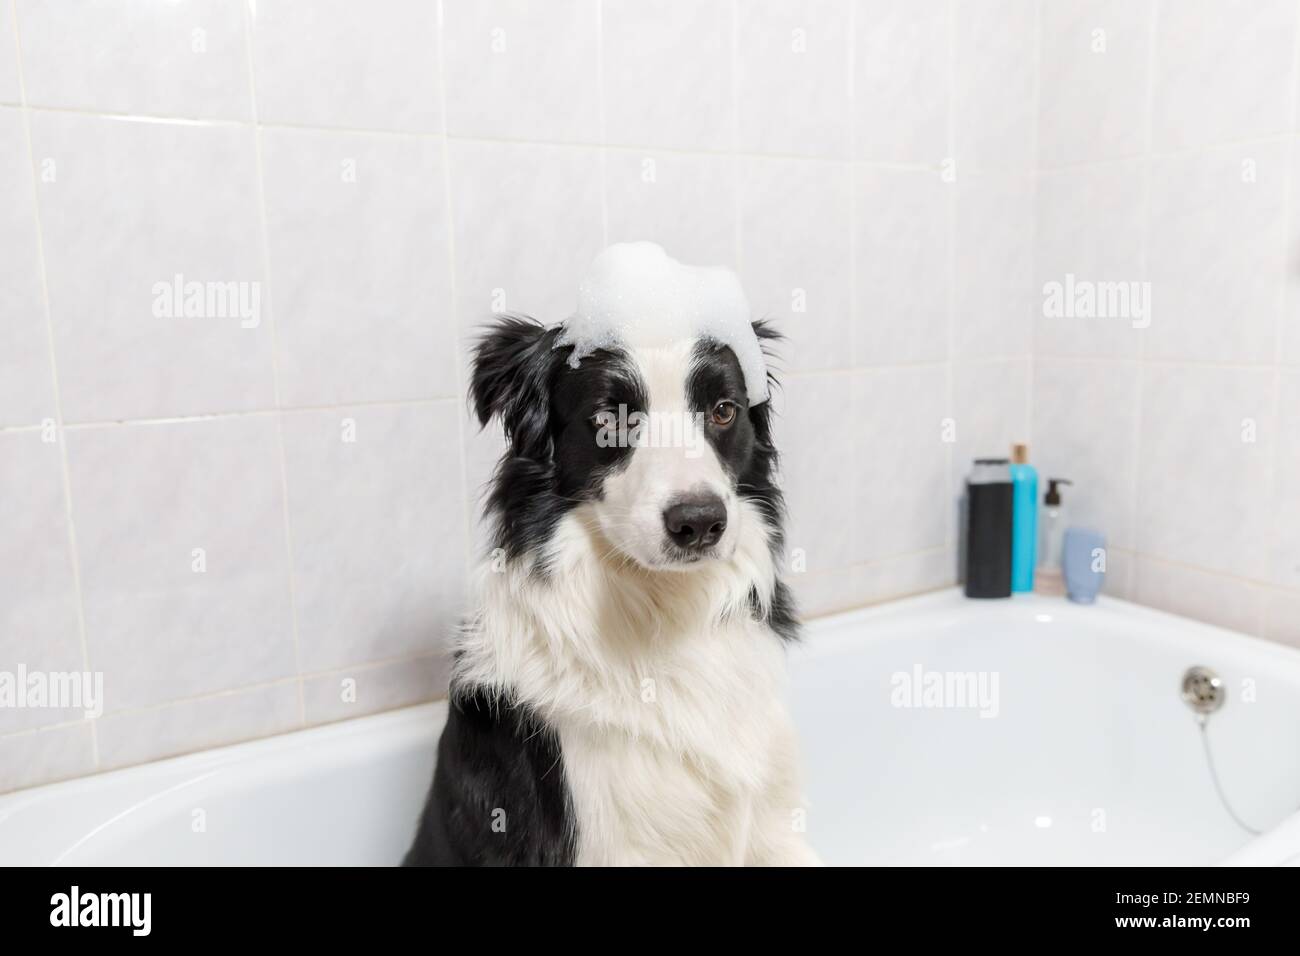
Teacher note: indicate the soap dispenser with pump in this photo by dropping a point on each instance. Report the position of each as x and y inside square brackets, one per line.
[1048, 580]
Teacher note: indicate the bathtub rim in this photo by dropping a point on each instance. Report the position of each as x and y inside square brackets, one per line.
[952, 598]
[115, 793]
[126, 788]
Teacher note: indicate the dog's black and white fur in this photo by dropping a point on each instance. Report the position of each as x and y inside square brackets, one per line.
[617, 698]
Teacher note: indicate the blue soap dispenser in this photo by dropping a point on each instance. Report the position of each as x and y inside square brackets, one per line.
[1024, 519]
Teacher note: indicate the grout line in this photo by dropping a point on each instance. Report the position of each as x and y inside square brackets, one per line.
[737, 191]
[121, 117]
[642, 148]
[61, 435]
[1171, 362]
[1257, 583]
[265, 239]
[1031, 378]
[788, 373]
[900, 366]
[873, 601]
[973, 360]
[466, 505]
[241, 690]
[1148, 161]
[637, 149]
[1279, 336]
[249, 413]
[952, 507]
[876, 562]
[1260, 584]
[254, 123]
[855, 345]
[1289, 198]
[600, 120]
[1184, 153]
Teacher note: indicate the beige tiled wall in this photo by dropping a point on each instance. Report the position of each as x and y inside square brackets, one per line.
[389, 173]
[1167, 154]
[894, 180]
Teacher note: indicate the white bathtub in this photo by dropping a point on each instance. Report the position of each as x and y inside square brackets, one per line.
[1091, 757]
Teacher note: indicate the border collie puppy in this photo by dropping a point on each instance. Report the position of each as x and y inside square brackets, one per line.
[617, 697]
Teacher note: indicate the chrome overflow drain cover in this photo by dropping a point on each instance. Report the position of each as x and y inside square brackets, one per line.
[1203, 690]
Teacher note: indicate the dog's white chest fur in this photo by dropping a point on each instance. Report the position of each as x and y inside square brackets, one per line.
[684, 763]
[667, 697]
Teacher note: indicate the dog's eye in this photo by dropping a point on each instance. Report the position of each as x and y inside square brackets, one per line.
[724, 413]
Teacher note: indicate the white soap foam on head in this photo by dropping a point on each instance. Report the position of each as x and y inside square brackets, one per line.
[635, 296]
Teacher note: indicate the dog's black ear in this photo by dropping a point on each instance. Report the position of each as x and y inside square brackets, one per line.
[768, 336]
[513, 365]
[761, 415]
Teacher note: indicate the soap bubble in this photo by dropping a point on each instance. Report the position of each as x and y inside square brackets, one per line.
[635, 295]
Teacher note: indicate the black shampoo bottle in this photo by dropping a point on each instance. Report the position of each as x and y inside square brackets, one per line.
[989, 506]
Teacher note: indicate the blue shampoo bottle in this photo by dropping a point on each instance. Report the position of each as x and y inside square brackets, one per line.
[1024, 519]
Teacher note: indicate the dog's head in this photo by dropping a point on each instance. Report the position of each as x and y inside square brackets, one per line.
[658, 446]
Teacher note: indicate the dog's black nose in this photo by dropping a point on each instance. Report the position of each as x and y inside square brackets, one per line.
[697, 522]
